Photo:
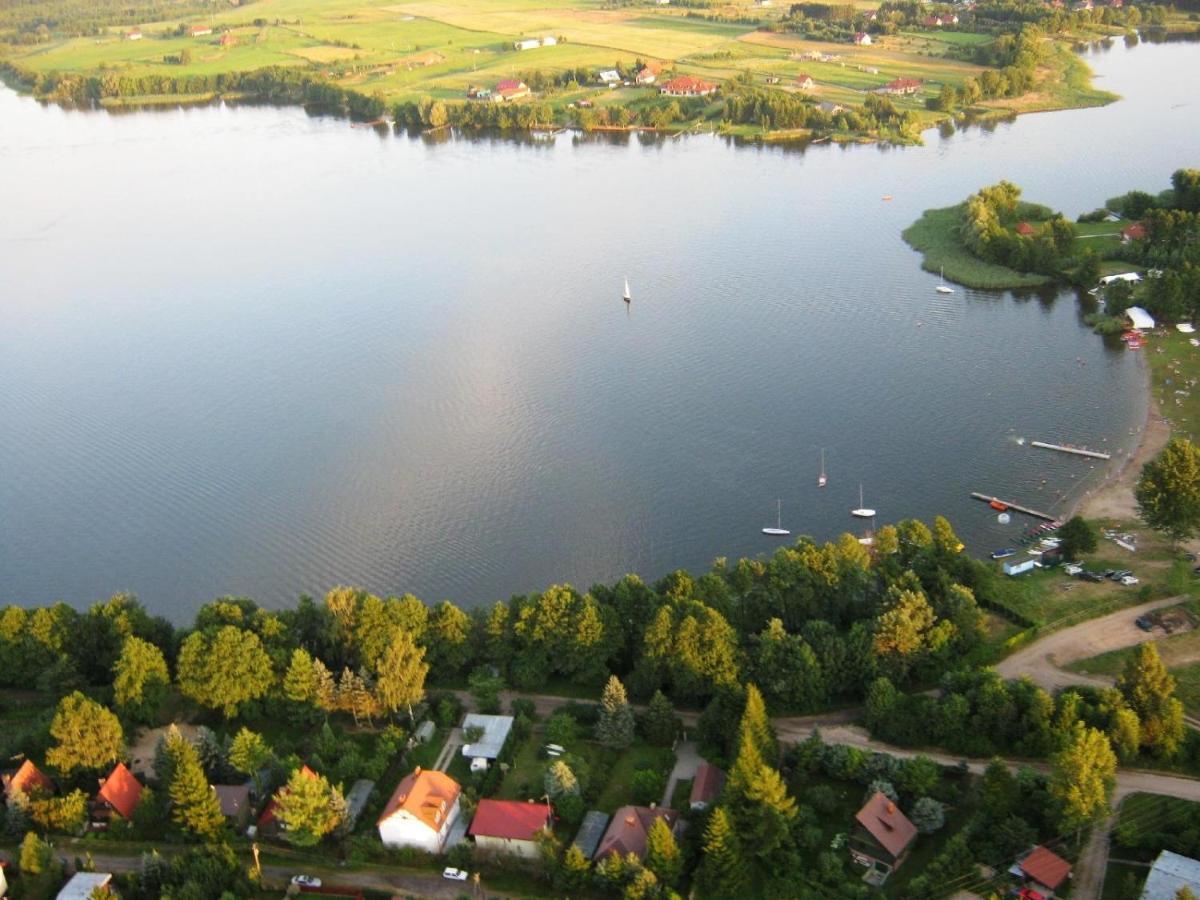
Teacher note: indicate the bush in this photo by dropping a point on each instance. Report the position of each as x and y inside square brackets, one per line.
[647, 787]
[562, 729]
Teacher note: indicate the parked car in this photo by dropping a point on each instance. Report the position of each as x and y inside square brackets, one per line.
[1120, 574]
[1091, 576]
[1072, 568]
[454, 874]
[306, 881]
[1129, 580]
[1143, 623]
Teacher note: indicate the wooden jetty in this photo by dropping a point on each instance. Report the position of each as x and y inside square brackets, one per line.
[1078, 451]
[1015, 507]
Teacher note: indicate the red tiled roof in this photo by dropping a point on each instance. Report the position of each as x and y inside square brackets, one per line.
[689, 83]
[268, 814]
[901, 84]
[513, 819]
[510, 84]
[707, 784]
[803, 77]
[1134, 232]
[1024, 228]
[121, 791]
[627, 832]
[27, 780]
[1046, 867]
[424, 794]
[884, 822]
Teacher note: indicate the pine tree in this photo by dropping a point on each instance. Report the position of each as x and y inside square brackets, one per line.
[573, 872]
[661, 724]
[195, 807]
[325, 690]
[300, 681]
[309, 808]
[757, 724]
[644, 886]
[722, 872]
[1149, 690]
[663, 856]
[560, 780]
[401, 674]
[615, 727]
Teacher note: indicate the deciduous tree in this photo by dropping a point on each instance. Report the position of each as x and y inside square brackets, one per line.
[1149, 690]
[225, 671]
[88, 735]
[400, 677]
[1168, 492]
[1078, 537]
[1082, 777]
[140, 679]
[309, 808]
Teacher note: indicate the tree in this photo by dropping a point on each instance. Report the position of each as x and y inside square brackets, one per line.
[901, 631]
[1082, 777]
[66, 814]
[249, 753]
[663, 856]
[185, 56]
[615, 727]
[1168, 493]
[400, 680]
[562, 728]
[757, 724]
[1149, 690]
[309, 808]
[448, 638]
[37, 856]
[560, 780]
[647, 787]
[194, 804]
[300, 680]
[140, 679]
[485, 690]
[574, 870]
[928, 815]
[1078, 537]
[224, 671]
[1125, 734]
[660, 723]
[722, 871]
[89, 736]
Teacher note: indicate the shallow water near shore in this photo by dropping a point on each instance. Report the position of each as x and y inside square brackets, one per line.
[245, 350]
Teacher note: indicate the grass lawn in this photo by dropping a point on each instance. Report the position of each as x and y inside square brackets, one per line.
[1175, 376]
[618, 791]
[936, 235]
[1123, 882]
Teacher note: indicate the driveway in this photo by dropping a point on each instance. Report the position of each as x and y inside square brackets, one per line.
[687, 761]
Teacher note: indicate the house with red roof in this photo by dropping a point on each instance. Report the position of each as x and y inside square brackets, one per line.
[901, 87]
[421, 811]
[134, 34]
[119, 793]
[687, 86]
[629, 828]
[882, 838]
[648, 73]
[1134, 232]
[28, 779]
[1045, 869]
[1025, 229]
[199, 30]
[862, 39]
[511, 89]
[706, 785]
[509, 826]
[804, 82]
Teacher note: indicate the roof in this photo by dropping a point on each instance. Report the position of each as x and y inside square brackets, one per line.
[516, 820]
[707, 784]
[803, 77]
[82, 884]
[235, 798]
[901, 84]
[268, 813]
[627, 832]
[1024, 228]
[883, 821]
[511, 84]
[495, 733]
[425, 795]
[121, 791]
[1170, 872]
[356, 799]
[591, 830]
[1134, 232]
[689, 83]
[1139, 317]
[1046, 867]
[27, 779]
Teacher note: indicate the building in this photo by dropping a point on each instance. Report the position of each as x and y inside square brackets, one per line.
[509, 826]
[591, 831]
[882, 838]
[421, 811]
[1025, 229]
[228, 40]
[687, 86]
[805, 82]
[83, 885]
[831, 109]
[549, 41]
[862, 39]
[707, 784]
[119, 793]
[649, 73]
[1020, 567]
[1139, 319]
[133, 35]
[1131, 277]
[609, 76]
[356, 800]
[199, 30]
[1046, 870]
[28, 779]
[901, 87]
[1171, 873]
[511, 89]
[489, 745]
[235, 803]
[527, 44]
[629, 827]
[1134, 232]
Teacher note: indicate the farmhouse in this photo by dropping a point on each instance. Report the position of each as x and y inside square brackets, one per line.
[706, 786]
[1134, 232]
[493, 734]
[421, 812]
[511, 89]
[628, 830]
[133, 35]
[199, 30]
[883, 837]
[509, 826]
[1046, 870]
[687, 86]
[527, 44]
[648, 73]
[119, 793]
[28, 779]
[862, 39]
[804, 82]
[1171, 873]
[901, 87]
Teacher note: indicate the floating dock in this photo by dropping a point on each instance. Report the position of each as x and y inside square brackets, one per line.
[1078, 451]
[1015, 507]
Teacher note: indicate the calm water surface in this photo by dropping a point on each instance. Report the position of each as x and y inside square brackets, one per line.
[248, 351]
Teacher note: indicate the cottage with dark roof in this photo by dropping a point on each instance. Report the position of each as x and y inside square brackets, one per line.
[629, 828]
[706, 785]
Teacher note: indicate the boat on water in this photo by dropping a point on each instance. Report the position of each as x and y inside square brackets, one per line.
[942, 287]
[778, 530]
[821, 479]
[627, 297]
[862, 512]
[1004, 553]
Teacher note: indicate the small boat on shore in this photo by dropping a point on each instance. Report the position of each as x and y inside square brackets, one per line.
[1004, 553]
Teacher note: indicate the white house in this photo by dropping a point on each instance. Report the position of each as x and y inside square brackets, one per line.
[549, 41]
[82, 884]
[1131, 277]
[509, 826]
[495, 731]
[527, 44]
[1139, 319]
[1171, 873]
[862, 39]
[1020, 567]
[421, 812]
[610, 76]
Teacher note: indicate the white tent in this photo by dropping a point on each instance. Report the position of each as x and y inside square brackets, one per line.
[1139, 318]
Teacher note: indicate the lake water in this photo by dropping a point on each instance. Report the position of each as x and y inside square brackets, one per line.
[249, 351]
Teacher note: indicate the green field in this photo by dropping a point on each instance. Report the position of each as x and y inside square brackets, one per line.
[936, 235]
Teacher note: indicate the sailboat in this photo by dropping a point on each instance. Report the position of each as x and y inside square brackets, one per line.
[627, 297]
[862, 512]
[942, 287]
[821, 479]
[778, 530]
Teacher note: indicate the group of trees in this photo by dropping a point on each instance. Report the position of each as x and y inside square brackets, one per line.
[988, 231]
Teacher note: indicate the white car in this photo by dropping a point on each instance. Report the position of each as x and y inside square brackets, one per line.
[454, 874]
[1129, 580]
[306, 881]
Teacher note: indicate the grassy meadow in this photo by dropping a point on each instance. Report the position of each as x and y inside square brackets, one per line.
[936, 235]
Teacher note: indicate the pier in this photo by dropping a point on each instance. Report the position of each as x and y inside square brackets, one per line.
[1015, 507]
[1093, 454]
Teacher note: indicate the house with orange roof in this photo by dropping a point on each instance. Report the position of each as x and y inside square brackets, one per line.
[687, 86]
[882, 838]
[509, 826]
[119, 793]
[421, 811]
[28, 779]
[1045, 870]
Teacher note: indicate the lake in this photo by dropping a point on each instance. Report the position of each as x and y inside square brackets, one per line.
[245, 350]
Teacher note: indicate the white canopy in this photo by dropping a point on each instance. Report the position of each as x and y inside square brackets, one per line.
[1139, 318]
